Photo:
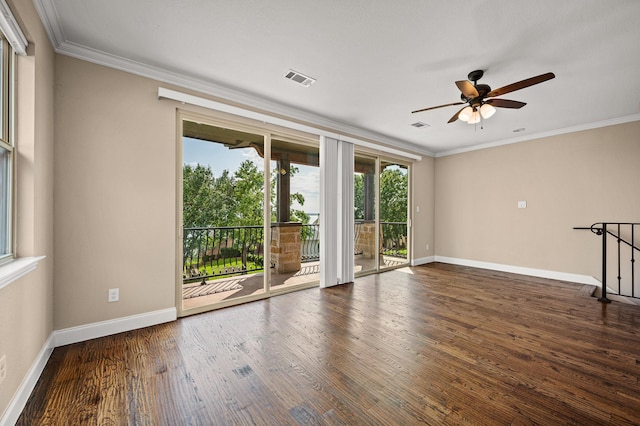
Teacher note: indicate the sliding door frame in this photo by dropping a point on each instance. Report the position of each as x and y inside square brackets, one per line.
[268, 132]
[379, 157]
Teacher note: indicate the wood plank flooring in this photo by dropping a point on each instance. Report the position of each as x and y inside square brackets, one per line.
[436, 344]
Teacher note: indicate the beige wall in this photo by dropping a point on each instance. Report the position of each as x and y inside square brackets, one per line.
[26, 305]
[423, 208]
[568, 180]
[115, 175]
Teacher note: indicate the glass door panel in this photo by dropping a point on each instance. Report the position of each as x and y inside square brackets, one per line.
[223, 255]
[364, 195]
[394, 198]
[295, 203]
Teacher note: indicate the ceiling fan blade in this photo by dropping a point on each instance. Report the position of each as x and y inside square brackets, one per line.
[505, 103]
[455, 117]
[467, 89]
[439, 106]
[521, 84]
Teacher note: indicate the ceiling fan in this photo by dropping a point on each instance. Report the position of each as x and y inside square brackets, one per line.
[476, 96]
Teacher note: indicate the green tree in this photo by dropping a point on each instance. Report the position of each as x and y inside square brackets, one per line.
[248, 192]
[393, 195]
[198, 197]
[225, 203]
[231, 199]
[358, 196]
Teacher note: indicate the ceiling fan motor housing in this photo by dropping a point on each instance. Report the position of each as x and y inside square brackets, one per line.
[475, 75]
[482, 89]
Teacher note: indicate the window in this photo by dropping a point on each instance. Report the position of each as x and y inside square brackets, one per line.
[6, 153]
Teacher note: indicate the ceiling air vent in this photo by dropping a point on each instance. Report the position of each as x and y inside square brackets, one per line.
[305, 80]
[420, 124]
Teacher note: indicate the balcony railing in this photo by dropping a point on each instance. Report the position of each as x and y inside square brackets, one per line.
[222, 251]
[394, 239]
[214, 252]
[310, 243]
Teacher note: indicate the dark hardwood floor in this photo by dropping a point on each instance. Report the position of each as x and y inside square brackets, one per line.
[436, 344]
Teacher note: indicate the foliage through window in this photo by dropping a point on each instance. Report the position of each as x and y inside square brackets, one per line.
[232, 199]
[394, 184]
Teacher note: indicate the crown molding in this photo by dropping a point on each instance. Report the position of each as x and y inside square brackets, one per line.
[50, 20]
[573, 129]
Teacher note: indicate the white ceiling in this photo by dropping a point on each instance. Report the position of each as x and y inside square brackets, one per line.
[376, 61]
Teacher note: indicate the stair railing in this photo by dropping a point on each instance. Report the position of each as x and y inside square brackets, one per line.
[615, 229]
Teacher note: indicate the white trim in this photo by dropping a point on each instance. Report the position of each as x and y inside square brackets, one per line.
[11, 29]
[541, 273]
[17, 268]
[50, 21]
[573, 129]
[105, 328]
[174, 95]
[19, 400]
[423, 260]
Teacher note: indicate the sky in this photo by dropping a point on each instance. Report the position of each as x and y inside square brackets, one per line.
[219, 158]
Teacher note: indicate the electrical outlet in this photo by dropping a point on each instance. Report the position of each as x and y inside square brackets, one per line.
[522, 204]
[3, 368]
[427, 247]
[114, 294]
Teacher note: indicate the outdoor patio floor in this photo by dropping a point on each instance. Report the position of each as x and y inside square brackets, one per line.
[244, 285]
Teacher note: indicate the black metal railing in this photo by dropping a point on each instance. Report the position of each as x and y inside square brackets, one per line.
[394, 239]
[222, 251]
[215, 252]
[624, 235]
[310, 243]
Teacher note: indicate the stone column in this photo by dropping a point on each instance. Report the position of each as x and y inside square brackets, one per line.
[366, 239]
[286, 246]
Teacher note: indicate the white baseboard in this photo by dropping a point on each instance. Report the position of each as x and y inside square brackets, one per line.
[105, 328]
[21, 396]
[422, 260]
[541, 273]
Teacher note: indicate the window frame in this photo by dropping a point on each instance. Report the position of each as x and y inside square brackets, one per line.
[7, 79]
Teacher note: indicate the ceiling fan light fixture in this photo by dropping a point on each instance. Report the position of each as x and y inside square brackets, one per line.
[487, 110]
[475, 117]
[465, 114]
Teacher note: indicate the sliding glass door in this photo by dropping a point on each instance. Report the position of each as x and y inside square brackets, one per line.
[381, 199]
[249, 214]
